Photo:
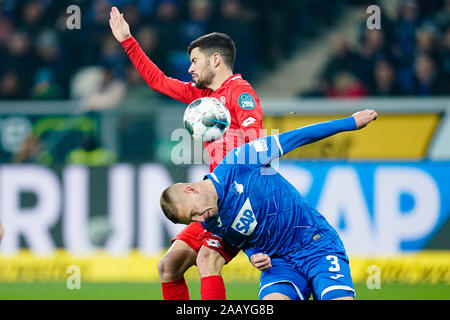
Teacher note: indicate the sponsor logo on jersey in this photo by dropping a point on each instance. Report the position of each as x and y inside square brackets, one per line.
[245, 221]
[248, 122]
[246, 101]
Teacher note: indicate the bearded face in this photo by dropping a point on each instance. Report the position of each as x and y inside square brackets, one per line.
[204, 77]
[200, 69]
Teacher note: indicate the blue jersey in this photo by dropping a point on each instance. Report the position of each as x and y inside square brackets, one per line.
[259, 210]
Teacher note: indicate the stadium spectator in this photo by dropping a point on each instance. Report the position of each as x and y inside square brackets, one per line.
[52, 75]
[133, 15]
[28, 151]
[427, 41]
[108, 95]
[372, 49]
[445, 56]
[150, 43]
[31, 18]
[198, 22]
[91, 153]
[343, 59]
[427, 80]
[236, 21]
[404, 42]
[442, 17]
[20, 58]
[346, 85]
[111, 55]
[384, 82]
[11, 86]
[136, 86]
[168, 22]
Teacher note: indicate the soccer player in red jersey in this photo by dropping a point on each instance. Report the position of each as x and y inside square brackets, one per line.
[212, 59]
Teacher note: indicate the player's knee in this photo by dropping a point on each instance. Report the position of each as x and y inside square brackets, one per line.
[168, 269]
[344, 298]
[209, 262]
[276, 296]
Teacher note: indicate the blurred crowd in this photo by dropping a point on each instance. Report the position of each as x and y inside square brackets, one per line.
[41, 58]
[408, 56]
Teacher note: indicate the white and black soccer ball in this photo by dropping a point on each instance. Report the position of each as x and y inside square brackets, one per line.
[206, 119]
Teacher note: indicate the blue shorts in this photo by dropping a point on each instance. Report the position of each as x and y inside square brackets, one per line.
[320, 271]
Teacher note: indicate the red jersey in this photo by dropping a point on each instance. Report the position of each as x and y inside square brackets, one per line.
[235, 93]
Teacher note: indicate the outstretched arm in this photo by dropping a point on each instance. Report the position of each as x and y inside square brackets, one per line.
[153, 76]
[293, 139]
[264, 150]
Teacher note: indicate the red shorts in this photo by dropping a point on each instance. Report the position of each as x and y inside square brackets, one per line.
[196, 236]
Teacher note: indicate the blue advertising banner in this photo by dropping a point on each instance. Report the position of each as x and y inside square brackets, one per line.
[377, 207]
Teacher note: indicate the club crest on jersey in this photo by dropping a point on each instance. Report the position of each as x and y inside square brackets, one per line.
[237, 188]
[245, 221]
[246, 101]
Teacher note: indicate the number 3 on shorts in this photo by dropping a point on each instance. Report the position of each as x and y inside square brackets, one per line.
[334, 263]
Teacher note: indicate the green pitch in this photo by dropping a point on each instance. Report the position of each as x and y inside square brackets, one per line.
[235, 291]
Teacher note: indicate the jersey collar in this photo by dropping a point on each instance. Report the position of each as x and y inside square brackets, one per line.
[229, 79]
[211, 176]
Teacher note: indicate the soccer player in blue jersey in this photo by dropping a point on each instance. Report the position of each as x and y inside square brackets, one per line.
[248, 203]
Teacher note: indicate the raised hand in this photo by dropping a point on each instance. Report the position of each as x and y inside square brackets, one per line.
[119, 27]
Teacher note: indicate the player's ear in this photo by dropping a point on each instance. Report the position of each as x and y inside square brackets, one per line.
[216, 58]
[189, 189]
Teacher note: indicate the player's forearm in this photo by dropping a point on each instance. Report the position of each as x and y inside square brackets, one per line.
[293, 139]
[146, 68]
[152, 75]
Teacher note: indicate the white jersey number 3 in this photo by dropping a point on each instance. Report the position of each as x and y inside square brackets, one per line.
[334, 264]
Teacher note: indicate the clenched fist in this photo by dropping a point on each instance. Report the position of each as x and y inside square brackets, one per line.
[362, 118]
[261, 261]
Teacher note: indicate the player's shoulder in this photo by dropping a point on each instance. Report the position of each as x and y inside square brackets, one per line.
[241, 93]
[238, 83]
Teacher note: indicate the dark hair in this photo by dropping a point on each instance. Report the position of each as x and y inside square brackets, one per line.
[167, 206]
[216, 42]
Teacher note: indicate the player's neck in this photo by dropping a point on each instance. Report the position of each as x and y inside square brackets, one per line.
[220, 78]
[210, 189]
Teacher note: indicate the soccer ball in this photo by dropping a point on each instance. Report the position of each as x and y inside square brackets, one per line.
[206, 119]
